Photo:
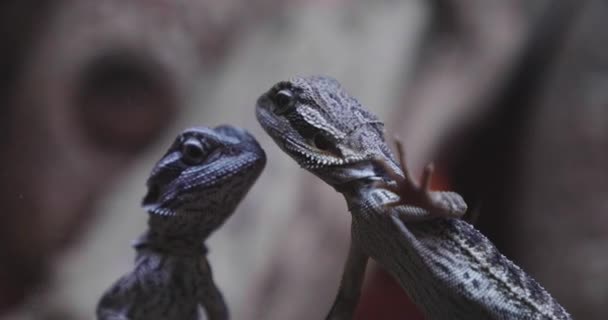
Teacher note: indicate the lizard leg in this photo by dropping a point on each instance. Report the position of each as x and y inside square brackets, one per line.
[411, 194]
[210, 296]
[350, 286]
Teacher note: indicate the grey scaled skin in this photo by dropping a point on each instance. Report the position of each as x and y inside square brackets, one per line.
[447, 267]
[192, 190]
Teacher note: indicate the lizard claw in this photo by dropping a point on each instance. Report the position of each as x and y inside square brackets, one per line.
[426, 178]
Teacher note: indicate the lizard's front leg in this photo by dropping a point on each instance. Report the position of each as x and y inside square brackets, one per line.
[416, 201]
[210, 296]
[350, 286]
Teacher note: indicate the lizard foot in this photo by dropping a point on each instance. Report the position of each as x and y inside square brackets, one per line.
[411, 193]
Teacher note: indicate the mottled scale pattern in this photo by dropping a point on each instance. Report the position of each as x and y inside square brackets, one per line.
[450, 268]
[192, 190]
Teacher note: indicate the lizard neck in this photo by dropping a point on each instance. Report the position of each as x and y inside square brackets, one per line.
[356, 192]
[359, 187]
[355, 180]
[165, 244]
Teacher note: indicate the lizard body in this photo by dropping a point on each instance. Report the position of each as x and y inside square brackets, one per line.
[192, 190]
[448, 268]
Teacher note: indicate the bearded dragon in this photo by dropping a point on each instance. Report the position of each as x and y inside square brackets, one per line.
[447, 267]
[192, 190]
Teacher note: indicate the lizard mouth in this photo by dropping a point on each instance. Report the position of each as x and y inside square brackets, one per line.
[154, 204]
[193, 197]
[152, 196]
[312, 159]
[296, 145]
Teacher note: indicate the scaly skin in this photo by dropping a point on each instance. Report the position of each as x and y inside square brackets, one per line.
[448, 268]
[192, 190]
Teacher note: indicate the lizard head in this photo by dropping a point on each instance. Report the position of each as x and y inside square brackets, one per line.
[322, 127]
[202, 177]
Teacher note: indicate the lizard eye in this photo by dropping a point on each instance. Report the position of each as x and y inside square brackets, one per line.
[192, 152]
[321, 143]
[283, 100]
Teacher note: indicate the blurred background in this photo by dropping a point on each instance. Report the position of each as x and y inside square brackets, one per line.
[509, 98]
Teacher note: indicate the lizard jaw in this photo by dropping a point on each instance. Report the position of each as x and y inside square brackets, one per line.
[309, 159]
[296, 146]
